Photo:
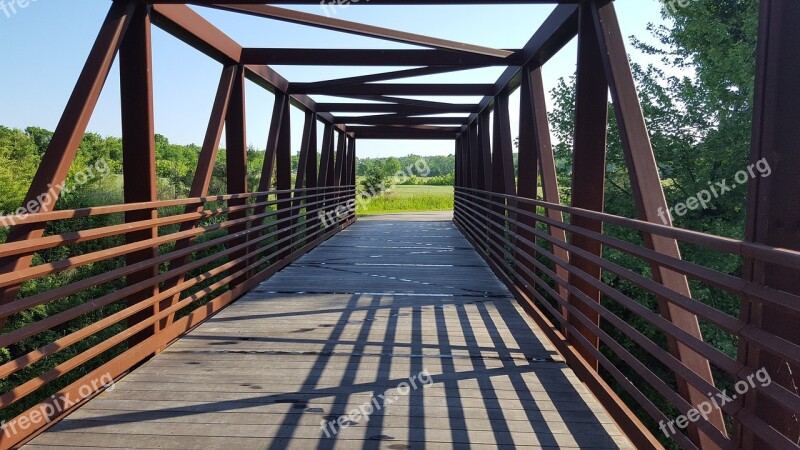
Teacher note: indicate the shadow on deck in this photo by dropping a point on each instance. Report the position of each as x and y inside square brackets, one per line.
[390, 300]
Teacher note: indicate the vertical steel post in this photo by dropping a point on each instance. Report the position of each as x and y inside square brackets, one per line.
[588, 173]
[139, 156]
[236, 156]
[773, 214]
[651, 204]
[547, 168]
[68, 135]
[502, 164]
[202, 178]
[283, 179]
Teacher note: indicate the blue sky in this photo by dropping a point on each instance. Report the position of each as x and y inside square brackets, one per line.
[45, 45]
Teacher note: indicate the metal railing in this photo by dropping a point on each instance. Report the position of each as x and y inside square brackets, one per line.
[525, 246]
[85, 314]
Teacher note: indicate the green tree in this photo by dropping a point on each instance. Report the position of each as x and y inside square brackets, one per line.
[380, 175]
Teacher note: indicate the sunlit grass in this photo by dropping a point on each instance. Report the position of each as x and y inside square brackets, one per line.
[410, 199]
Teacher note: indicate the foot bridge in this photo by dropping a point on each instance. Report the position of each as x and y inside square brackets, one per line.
[273, 317]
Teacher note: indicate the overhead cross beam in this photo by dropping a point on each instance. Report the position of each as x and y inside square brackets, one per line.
[361, 29]
[383, 76]
[370, 57]
[404, 89]
[392, 119]
[390, 108]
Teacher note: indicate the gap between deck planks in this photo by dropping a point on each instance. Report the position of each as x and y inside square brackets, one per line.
[389, 298]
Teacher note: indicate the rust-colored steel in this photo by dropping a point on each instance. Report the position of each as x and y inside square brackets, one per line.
[289, 229]
[283, 169]
[773, 209]
[474, 155]
[649, 194]
[589, 162]
[202, 175]
[236, 155]
[469, 210]
[69, 132]
[139, 155]
[331, 23]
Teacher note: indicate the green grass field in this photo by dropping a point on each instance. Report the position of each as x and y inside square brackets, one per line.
[410, 199]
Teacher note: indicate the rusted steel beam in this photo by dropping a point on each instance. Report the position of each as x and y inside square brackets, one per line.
[502, 150]
[312, 164]
[202, 176]
[651, 202]
[236, 158]
[395, 120]
[405, 89]
[283, 175]
[503, 180]
[589, 170]
[141, 351]
[341, 154]
[547, 167]
[458, 175]
[474, 155]
[401, 127]
[331, 176]
[468, 162]
[772, 218]
[385, 76]
[351, 180]
[184, 23]
[485, 136]
[307, 175]
[327, 158]
[484, 165]
[361, 29]
[139, 155]
[557, 30]
[370, 58]
[68, 134]
[434, 105]
[305, 151]
[528, 166]
[389, 108]
[401, 134]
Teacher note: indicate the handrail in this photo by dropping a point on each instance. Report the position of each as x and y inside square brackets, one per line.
[227, 248]
[503, 231]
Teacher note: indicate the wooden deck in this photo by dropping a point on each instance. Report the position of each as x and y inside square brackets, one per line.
[384, 301]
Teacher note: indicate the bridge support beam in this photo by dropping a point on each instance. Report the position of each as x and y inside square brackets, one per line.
[139, 158]
[283, 176]
[536, 161]
[202, 178]
[649, 197]
[502, 165]
[68, 135]
[236, 162]
[774, 219]
[307, 167]
[588, 173]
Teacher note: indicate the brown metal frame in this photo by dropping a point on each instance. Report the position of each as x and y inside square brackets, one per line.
[500, 214]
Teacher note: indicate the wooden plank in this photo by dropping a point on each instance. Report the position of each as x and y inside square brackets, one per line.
[302, 348]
